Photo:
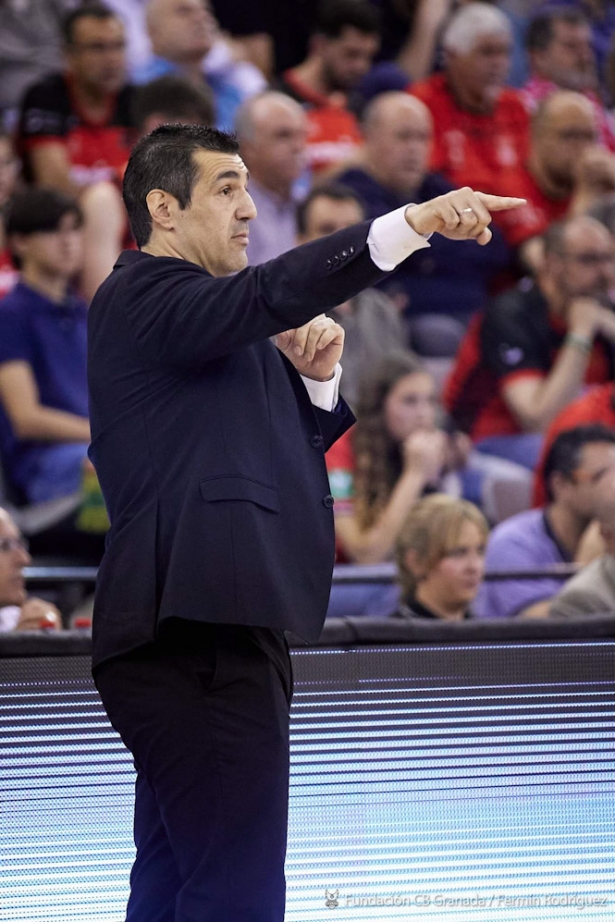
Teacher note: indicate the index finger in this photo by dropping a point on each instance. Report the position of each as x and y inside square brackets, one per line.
[500, 202]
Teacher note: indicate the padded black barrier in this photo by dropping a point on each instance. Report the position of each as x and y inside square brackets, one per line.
[351, 631]
[439, 772]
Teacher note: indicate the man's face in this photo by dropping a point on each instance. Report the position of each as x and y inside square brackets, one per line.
[399, 145]
[58, 253]
[213, 230]
[327, 215]
[97, 55]
[182, 30]
[276, 151]
[560, 141]
[13, 558]
[592, 484]
[586, 265]
[477, 76]
[347, 58]
[569, 59]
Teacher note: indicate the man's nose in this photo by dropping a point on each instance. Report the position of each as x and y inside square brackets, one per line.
[247, 209]
[23, 557]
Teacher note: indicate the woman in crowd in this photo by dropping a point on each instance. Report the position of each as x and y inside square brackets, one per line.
[441, 558]
[399, 450]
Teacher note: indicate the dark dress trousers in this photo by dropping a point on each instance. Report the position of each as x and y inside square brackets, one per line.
[210, 456]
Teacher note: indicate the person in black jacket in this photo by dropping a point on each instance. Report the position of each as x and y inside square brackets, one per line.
[209, 439]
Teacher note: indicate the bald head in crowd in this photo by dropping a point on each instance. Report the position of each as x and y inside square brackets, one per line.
[271, 130]
[563, 128]
[181, 31]
[397, 130]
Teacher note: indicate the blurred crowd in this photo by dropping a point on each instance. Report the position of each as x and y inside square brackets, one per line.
[481, 377]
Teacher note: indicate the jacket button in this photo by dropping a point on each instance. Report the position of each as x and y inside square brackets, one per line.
[336, 260]
[329, 264]
[328, 501]
[344, 254]
[317, 441]
[351, 251]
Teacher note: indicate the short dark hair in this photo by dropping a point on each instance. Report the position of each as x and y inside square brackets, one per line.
[541, 27]
[332, 190]
[86, 11]
[175, 98]
[336, 15]
[164, 159]
[564, 455]
[37, 211]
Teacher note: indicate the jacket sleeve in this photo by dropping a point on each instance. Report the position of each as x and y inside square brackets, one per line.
[181, 317]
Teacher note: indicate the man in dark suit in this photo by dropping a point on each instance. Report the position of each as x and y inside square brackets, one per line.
[209, 444]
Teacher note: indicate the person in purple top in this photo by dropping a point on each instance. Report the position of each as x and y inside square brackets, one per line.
[44, 426]
[575, 468]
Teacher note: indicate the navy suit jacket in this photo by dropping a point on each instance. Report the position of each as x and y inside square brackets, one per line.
[209, 452]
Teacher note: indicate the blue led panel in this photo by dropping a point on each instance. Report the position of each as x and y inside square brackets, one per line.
[462, 782]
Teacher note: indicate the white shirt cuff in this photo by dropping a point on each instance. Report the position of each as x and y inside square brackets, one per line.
[324, 394]
[391, 240]
[9, 617]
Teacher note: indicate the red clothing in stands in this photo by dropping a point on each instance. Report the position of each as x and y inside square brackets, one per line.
[470, 149]
[596, 406]
[520, 224]
[341, 467]
[96, 150]
[516, 337]
[333, 131]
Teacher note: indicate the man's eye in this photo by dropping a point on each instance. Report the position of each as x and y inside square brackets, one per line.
[226, 190]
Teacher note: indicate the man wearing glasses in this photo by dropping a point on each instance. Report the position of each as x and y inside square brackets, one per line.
[75, 127]
[17, 611]
[538, 345]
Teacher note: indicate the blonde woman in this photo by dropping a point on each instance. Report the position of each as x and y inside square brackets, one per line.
[441, 558]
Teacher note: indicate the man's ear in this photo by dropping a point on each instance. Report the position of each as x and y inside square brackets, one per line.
[17, 243]
[163, 207]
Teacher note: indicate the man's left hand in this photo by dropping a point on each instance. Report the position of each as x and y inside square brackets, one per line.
[315, 348]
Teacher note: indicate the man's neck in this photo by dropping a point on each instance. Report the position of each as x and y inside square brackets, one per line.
[548, 184]
[567, 527]
[91, 101]
[483, 104]
[192, 71]
[312, 74]
[373, 168]
[427, 597]
[50, 286]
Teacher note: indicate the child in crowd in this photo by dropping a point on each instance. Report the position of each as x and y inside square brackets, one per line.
[44, 424]
[399, 450]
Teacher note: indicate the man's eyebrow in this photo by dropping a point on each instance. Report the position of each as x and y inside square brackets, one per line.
[231, 174]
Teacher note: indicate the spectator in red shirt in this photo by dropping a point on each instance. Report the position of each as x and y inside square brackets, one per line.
[567, 172]
[481, 128]
[538, 345]
[561, 56]
[342, 47]
[596, 406]
[75, 127]
[9, 166]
